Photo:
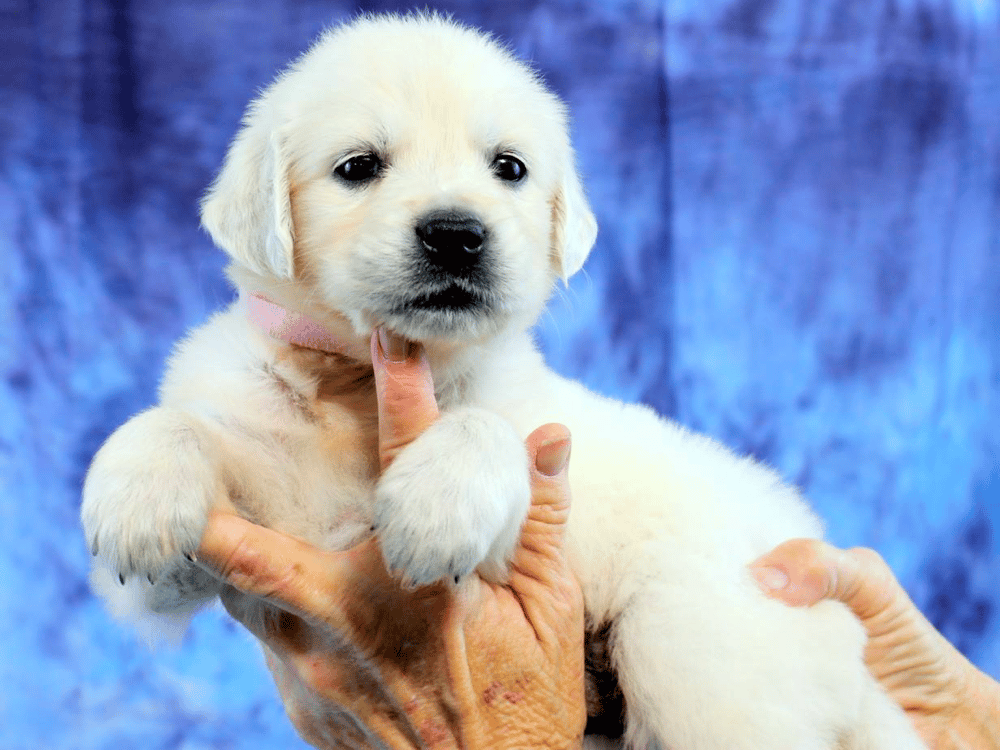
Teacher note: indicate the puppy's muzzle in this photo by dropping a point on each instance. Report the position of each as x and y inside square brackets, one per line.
[452, 242]
[452, 276]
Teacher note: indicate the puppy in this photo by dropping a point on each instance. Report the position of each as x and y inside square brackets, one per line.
[409, 172]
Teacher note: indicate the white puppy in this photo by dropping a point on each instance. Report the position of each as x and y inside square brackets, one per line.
[409, 172]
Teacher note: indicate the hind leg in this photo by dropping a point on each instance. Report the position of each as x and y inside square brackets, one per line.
[706, 662]
[883, 723]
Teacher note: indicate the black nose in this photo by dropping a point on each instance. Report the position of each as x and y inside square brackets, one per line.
[451, 240]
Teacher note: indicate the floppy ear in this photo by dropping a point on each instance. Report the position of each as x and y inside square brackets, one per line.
[574, 227]
[247, 210]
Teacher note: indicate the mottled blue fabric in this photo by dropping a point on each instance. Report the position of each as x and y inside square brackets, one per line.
[799, 253]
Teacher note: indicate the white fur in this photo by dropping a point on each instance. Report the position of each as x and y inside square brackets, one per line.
[664, 522]
[473, 517]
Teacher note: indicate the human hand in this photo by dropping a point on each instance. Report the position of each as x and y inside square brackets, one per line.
[951, 703]
[355, 657]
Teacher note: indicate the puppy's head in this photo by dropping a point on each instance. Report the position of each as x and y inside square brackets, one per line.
[410, 172]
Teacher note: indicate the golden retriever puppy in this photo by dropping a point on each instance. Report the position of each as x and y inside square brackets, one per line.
[409, 172]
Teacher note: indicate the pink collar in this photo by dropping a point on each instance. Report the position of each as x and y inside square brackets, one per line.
[291, 327]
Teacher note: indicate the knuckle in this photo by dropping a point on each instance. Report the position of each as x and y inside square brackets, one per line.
[251, 569]
[872, 569]
[243, 564]
[868, 559]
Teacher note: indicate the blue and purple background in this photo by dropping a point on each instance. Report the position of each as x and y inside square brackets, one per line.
[799, 254]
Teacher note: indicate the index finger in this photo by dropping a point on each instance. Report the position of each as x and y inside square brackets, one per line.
[285, 571]
[805, 571]
[405, 391]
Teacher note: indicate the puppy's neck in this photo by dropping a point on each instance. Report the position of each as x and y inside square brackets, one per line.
[325, 345]
[290, 326]
[313, 341]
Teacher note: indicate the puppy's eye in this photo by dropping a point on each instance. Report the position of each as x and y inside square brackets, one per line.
[359, 168]
[509, 168]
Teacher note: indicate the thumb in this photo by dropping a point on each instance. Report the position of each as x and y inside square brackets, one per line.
[804, 571]
[540, 575]
[540, 552]
[405, 392]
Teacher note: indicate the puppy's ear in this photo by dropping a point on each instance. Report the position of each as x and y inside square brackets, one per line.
[247, 211]
[574, 227]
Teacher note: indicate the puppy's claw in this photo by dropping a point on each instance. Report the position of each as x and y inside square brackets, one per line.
[93, 548]
[190, 557]
[121, 578]
[149, 577]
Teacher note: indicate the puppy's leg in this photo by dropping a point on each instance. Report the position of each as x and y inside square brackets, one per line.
[454, 499]
[145, 505]
[882, 722]
[707, 662]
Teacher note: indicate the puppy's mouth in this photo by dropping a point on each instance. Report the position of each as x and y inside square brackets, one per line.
[454, 310]
[453, 298]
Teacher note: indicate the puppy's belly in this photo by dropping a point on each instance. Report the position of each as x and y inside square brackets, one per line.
[647, 491]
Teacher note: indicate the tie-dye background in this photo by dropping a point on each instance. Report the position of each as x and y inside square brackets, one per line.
[799, 253]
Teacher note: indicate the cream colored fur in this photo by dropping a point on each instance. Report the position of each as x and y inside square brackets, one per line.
[664, 522]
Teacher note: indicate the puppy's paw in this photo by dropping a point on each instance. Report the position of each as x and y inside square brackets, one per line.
[454, 499]
[147, 495]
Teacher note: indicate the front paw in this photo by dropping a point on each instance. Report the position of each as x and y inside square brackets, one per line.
[147, 495]
[454, 499]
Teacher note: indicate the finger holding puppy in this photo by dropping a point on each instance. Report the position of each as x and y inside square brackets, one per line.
[406, 404]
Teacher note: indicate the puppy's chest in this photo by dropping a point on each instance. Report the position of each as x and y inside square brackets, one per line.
[329, 392]
[322, 420]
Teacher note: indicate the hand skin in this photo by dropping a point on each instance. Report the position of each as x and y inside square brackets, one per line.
[359, 661]
[953, 705]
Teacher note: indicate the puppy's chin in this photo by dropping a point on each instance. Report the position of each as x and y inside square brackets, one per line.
[453, 315]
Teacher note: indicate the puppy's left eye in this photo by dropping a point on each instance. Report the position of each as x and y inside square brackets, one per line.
[359, 168]
[509, 168]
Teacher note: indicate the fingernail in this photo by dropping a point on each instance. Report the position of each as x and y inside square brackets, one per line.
[552, 456]
[394, 347]
[770, 579]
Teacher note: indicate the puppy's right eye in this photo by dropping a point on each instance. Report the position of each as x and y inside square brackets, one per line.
[359, 168]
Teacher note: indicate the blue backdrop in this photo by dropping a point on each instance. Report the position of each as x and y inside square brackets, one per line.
[799, 253]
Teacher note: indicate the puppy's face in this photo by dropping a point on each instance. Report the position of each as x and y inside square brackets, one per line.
[407, 172]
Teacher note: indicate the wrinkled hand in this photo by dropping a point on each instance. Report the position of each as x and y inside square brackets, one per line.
[951, 703]
[356, 657]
